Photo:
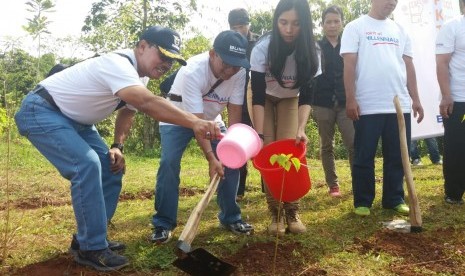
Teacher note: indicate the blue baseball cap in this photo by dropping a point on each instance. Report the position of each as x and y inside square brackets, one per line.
[167, 40]
[231, 46]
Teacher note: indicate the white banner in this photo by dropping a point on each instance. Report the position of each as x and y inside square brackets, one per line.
[423, 19]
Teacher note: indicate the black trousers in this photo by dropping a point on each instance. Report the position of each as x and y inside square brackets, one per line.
[454, 152]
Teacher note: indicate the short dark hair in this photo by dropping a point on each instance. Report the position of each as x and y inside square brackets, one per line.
[57, 68]
[238, 16]
[333, 9]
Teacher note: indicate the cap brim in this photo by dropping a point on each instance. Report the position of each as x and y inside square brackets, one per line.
[172, 55]
[235, 61]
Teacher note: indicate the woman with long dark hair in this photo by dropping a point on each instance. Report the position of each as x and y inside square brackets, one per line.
[283, 63]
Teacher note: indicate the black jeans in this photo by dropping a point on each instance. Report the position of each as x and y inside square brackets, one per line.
[454, 152]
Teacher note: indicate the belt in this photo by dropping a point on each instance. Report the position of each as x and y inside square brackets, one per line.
[175, 98]
[42, 92]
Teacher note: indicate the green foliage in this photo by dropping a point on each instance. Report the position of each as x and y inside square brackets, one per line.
[3, 120]
[351, 9]
[18, 75]
[261, 22]
[39, 23]
[285, 161]
[118, 23]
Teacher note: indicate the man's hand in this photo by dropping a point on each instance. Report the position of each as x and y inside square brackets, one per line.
[446, 106]
[418, 111]
[352, 110]
[117, 162]
[301, 137]
[214, 166]
[206, 130]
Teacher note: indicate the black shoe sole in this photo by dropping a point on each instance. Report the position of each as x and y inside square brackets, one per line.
[95, 266]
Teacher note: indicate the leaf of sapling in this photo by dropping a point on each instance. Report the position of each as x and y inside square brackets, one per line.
[273, 159]
[287, 166]
[296, 163]
[282, 160]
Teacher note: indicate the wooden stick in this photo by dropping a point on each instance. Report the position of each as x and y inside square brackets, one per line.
[192, 224]
[415, 212]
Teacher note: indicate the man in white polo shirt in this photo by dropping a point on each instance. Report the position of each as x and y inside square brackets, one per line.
[209, 83]
[59, 118]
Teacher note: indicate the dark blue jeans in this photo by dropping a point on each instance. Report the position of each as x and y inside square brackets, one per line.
[433, 150]
[174, 140]
[368, 130]
[81, 156]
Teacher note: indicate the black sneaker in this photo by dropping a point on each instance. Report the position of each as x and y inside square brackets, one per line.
[101, 260]
[160, 235]
[239, 227]
[453, 201]
[113, 245]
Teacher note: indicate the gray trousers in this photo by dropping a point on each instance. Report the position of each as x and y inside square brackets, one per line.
[327, 119]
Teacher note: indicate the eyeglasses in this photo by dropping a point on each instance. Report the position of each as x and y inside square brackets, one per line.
[162, 56]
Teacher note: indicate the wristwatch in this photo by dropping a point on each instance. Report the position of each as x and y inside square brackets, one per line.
[119, 146]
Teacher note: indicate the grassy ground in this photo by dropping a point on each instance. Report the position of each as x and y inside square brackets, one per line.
[37, 222]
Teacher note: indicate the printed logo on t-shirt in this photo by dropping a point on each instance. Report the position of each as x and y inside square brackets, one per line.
[288, 80]
[213, 97]
[377, 38]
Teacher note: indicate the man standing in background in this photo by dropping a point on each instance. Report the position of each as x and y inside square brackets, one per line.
[450, 63]
[239, 21]
[378, 66]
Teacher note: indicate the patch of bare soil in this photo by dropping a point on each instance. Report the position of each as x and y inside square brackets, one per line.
[64, 265]
[258, 259]
[37, 203]
[34, 203]
[418, 251]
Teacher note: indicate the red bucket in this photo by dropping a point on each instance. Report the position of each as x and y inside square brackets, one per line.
[296, 183]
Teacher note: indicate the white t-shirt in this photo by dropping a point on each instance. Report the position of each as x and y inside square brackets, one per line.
[380, 73]
[451, 39]
[259, 63]
[85, 92]
[195, 80]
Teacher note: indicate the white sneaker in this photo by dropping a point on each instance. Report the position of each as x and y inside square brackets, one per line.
[417, 162]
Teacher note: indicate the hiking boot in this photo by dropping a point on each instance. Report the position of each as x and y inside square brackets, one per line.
[416, 162]
[293, 222]
[101, 260]
[402, 209]
[277, 227]
[239, 227]
[112, 245]
[453, 201]
[160, 235]
[362, 211]
[334, 191]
